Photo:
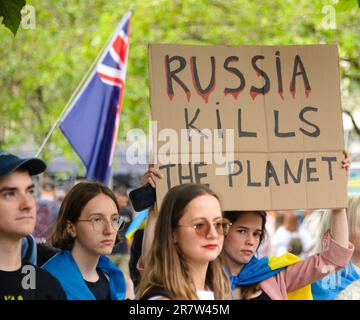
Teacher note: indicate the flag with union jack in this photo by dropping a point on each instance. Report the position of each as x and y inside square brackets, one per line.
[91, 122]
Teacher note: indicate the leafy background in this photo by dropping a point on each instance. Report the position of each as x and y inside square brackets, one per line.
[41, 67]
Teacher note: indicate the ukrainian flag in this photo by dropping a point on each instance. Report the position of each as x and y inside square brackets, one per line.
[257, 270]
[138, 223]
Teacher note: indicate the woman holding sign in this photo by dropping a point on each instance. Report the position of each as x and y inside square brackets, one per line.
[269, 278]
[284, 277]
[184, 260]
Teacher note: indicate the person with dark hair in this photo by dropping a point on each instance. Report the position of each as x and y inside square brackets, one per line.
[86, 228]
[19, 279]
[184, 261]
[278, 278]
[287, 276]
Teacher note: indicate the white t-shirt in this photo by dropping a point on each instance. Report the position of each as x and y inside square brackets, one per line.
[202, 295]
[205, 295]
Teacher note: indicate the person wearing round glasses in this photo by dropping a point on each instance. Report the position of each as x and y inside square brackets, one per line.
[184, 261]
[86, 229]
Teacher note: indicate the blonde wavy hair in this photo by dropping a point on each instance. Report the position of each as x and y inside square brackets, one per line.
[166, 267]
[353, 216]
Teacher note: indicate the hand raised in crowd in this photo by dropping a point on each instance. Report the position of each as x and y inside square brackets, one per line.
[150, 176]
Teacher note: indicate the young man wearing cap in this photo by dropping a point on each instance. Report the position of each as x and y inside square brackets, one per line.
[20, 280]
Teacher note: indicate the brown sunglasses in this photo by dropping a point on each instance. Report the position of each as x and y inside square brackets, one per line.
[202, 228]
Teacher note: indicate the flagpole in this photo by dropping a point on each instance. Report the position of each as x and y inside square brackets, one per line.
[76, 91]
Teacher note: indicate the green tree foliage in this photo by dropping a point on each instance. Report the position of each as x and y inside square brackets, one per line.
[41, 67]
[10, 11]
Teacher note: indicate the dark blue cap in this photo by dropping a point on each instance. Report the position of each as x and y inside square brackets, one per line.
[9, 163]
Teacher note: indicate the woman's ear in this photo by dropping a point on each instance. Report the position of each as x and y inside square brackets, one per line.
[175, 237]
[70, 228]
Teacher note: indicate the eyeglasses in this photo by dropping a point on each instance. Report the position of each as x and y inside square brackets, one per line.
[202, 228]
[99, 223]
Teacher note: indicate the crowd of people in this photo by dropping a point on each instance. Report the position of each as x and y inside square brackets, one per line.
[73, 246]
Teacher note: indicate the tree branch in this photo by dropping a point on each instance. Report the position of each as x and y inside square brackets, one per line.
[357, 129]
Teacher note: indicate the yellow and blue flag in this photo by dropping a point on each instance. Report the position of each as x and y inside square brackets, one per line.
[138, 223]
[257, 270]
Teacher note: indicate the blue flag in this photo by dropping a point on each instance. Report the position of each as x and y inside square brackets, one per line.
[138, 223]
[91, 122]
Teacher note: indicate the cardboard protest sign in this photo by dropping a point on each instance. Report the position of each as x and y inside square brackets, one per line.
[261, 125]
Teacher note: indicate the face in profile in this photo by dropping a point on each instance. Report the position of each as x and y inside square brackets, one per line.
[243, 238]
[17, 205]
[199, 233]
[96, 229]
